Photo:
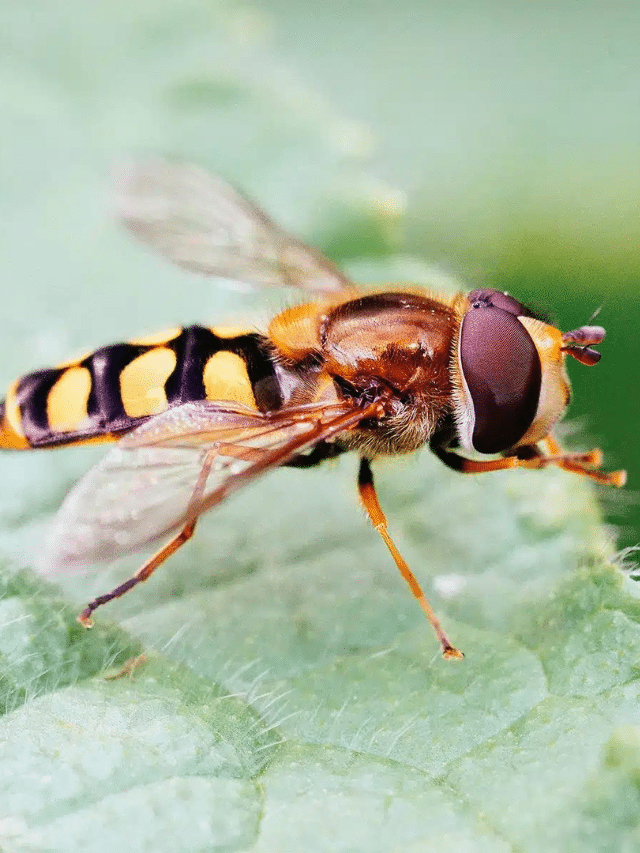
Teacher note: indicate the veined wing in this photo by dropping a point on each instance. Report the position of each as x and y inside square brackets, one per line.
[200, 222]
[144, 488]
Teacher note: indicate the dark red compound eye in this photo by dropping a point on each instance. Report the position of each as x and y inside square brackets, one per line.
[502, 370]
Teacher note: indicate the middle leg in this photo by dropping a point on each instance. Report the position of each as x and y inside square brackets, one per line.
[377, 517]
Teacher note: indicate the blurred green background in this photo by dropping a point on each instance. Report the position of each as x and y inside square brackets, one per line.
[498, 141]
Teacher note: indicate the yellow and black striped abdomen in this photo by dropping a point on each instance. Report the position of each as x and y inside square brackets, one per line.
[112, 390]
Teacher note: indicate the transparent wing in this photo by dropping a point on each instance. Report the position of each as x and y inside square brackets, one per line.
[201, 223]
[144, 488]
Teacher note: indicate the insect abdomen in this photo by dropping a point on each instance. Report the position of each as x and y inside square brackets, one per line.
[115, 388]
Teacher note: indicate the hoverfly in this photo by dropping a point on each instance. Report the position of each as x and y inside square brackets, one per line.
[199, 412]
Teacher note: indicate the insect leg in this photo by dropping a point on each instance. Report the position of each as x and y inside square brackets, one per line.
[473, 466]
[369, 500]
[532, 457]
[148, 568]
[323, 450]
[580, 463]
[144, 572]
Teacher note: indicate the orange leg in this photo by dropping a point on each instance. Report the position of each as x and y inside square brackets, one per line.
[577, 463]
[370, 502]
[146, 570]
[474, 466]
[580, 463]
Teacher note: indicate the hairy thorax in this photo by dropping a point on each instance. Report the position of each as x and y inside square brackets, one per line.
[392, 346]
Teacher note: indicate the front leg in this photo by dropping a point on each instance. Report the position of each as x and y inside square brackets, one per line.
[534, 456]
[473, 466]
[581, 463]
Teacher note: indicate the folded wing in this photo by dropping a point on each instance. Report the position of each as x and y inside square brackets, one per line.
[143, 489]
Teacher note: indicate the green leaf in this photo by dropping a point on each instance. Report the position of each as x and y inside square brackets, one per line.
[293, 696]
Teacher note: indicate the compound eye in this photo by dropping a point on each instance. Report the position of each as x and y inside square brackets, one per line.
[501, 368]
[487, 297]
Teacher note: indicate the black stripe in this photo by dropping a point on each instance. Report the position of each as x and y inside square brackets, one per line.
[257, 354]
[32, 393]
[196, 344]
[104, 405]
[192, 347]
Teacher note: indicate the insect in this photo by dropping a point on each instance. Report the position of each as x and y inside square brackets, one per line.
[200, 412]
